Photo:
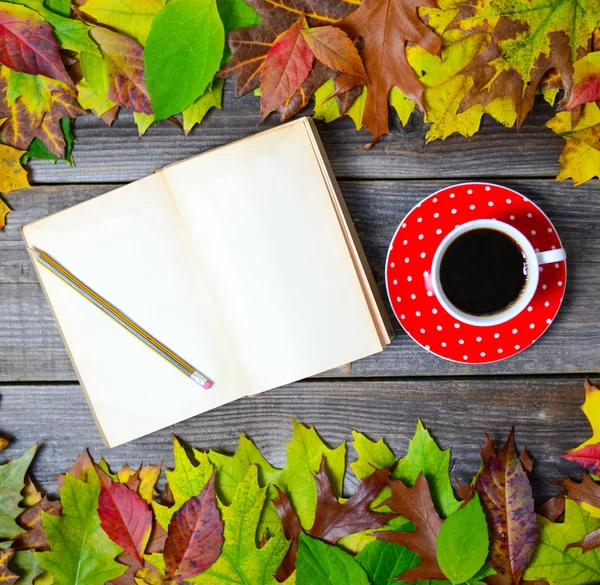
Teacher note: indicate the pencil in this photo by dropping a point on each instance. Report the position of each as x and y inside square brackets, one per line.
[117, 316]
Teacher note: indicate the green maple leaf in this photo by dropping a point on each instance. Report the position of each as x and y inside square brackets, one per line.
[12, 481]
[81, 552]
[384, 561]
[370, 454]
[556, 565]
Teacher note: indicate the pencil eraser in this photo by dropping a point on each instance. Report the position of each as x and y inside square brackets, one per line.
[207, 384]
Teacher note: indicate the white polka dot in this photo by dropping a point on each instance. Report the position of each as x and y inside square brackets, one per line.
[533, 232]
[452, 195]
[530, 308]
[403, 225]
[439, 327]
[515, 331]
[496, 335]
[435, 199]
[554, 247]
[470, 191]
[517, 347]
[402, 316]
[532, 326]
[560, 283]
[548, 321]
[482, 354]
[413, 296]
[422, 330]
[427, 348]
[508, 201]
[438, 231]
[405, 242]
[407, 260]
[409, 278]
[423, 254]
[421, 236]
[512, 217]
[426, 273]
[500, 350]
[556, 265]
[434, 311]
[453, 211]
[471, 207]
[419, 220]
[529, 215]
[544, 286]
[395, 282]
[418, 313]
[429, 293]
[549, 230]
[546, 304]
[541, 269]
[398, 299]
[444, 344]
[465, 357]
[436, 215]
[478, 339]
[488, 188]
[491, 203]
[456, 325]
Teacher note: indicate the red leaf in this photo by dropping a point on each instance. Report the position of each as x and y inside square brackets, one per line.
[588, 457]
[195, 536]
[506, 496]
[287, 65]
[334, 520]
[27, 44]
[334, 48]
[125, 517]
[416, 505]
[292, 530]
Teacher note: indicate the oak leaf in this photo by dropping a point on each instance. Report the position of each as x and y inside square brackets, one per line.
[195, 536]
[124, 516]
[506, 495]
[586, 493]
[34, 537]
[386, 27]
[7, 577]
[415, 504]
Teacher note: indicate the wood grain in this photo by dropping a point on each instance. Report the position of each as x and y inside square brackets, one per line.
[31, 349]
[458, 412]
[116, 154]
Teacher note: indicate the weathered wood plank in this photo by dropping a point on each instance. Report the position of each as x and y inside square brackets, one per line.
[458, 412]
[31, 349]
[116, 154]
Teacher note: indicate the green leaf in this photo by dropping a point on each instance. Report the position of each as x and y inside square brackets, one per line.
[478, 578]
[25, 565]
[551, 562]
[304, 454]
[424, 456]
[130, 17]
[62, 7]
[81, 553]
[65, 125]
[183, 53]
[241, 561]
[463, 543]
[12, 481]
[143, 121]
[237, 14]
[37, 149]
[318, 563]
[211, 98]
[370, 454]
[384, 561]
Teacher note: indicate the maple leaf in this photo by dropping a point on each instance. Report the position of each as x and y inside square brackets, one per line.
[142, 480]
[81, 553]
[588, 453]
[12, 480]
[7, 577]
[12, 175]
[4, 211]
[506, 496]
[27, 43]
[416, 505]
[30, 520]
[34, 106]
[124, 516]
[125, 66]
[586, 81]
[528, 39]
[195, 536]
[386, 26]
[211, 98]
[371, 455]
[573, 566]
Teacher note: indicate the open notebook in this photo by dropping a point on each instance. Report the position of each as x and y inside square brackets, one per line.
[243, 261]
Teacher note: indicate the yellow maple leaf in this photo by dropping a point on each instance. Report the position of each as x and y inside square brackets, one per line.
[4, 211]
[580, 158]
[12, 174]
[591, 409]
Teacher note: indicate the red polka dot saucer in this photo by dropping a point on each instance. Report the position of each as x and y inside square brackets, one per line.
[409, 263]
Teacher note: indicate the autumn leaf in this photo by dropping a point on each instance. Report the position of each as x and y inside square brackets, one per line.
[130, 17]
[292, 530]
[211, 98]
[386, 26]
[124, 516]
[371, 454]
[12, 175]
[506, 495]
[7, 577]
[25, 565]
[587, 453]
[81, 553]
[12, 480]
[586, 81]
[27, 43]
[4, 211]
[415, 504]
[125, 67]
[586, 493]
[565, 567]
[30, 520]
[195, 536]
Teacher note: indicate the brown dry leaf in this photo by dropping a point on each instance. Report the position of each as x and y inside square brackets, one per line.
[588, 491]
[292, 530]
[386, 26]
[416, 505]
[79, 469]
[552, 508]
[7, 577]
[30, 520]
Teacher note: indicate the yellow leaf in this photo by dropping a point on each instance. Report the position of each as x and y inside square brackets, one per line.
[143, 121]
[403, 105]
[4, 211]
[90, 99]
[12, 175]
[591, 409]
[211, 98]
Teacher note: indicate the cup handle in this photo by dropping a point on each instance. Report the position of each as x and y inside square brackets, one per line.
[551, 256]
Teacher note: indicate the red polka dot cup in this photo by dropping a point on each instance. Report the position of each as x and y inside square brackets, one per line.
[532, 262]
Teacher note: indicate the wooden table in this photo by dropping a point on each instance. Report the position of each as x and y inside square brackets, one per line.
[538, 391]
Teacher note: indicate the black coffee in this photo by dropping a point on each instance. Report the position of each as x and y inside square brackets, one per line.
[483, 272]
